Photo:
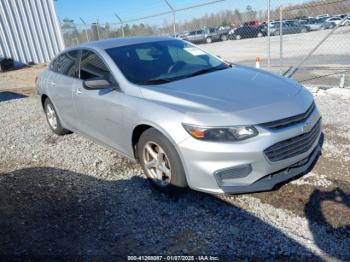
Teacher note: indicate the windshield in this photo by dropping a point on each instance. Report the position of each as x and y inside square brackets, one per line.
[163, 61]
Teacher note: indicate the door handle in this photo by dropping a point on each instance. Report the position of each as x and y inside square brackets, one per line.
[79, 91]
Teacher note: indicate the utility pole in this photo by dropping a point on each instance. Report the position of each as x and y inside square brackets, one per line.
[121, 22]
[268, 35]
[86, 30]
[281, 40]
[173, 11]
[98, 30]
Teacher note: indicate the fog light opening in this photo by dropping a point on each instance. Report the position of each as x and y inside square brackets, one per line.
[223, 175]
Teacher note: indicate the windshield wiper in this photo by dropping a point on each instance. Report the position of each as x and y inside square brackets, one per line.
[156, 81]
[207, 70]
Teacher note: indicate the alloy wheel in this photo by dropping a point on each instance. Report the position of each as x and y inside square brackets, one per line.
[157, 164]
[51, 116]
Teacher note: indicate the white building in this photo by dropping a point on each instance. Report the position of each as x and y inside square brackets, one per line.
[29, 30]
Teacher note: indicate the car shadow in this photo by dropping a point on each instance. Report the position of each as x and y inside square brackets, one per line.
[328, 216]
[49, 211]
[6, 96]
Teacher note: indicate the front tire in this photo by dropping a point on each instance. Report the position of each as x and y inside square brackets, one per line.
[161, 162]
[53, 119]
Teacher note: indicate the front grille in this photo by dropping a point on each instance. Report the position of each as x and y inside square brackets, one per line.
[282, 123]
[293, 146]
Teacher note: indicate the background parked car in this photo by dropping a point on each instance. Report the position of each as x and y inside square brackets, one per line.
[328, 25]
[206, 35]
[289, 27]
[254, 23]
[231, 33]
[314, 23]
[183, 35]
[322, 16]
[331, 22]
[223, 33]
[342, 16]
[346, 22]
[248, 31]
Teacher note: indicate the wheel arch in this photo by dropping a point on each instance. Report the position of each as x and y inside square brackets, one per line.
[140, 128]
[136, 134]
[43, 99]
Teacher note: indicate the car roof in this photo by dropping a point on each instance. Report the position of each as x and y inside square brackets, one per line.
[117, 42]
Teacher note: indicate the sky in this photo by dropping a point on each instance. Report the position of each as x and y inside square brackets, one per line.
[104, 10]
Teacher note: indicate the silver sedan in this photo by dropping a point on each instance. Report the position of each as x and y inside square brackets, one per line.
[190, 118]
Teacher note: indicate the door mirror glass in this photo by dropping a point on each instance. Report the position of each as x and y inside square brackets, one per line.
[96, 83]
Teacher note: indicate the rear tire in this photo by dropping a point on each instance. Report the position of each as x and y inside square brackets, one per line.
[161, 162]
[53, 119]
[208, 40]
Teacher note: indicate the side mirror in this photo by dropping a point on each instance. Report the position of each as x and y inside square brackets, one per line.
[97, 83]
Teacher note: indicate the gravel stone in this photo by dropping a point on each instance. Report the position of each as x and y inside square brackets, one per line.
[69, 196]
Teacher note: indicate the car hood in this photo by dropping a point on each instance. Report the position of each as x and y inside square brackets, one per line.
[240, 95]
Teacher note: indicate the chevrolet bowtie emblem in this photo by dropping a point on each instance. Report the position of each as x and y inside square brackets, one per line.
[307, 126]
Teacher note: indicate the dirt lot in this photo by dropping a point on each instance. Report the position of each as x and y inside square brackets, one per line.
[70, 196]
[20, 81]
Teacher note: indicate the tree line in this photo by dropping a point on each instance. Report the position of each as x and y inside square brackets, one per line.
[75, 33]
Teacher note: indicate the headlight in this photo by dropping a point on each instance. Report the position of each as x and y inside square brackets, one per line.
[221, 134]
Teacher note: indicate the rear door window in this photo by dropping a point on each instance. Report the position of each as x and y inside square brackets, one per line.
[67, 63]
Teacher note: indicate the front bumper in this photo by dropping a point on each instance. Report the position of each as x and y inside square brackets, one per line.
[249, 168]
[270, 181]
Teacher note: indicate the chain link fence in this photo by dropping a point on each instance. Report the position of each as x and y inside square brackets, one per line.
[309, 41]
[317, 34]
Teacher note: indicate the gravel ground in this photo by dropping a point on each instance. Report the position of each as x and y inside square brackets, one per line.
[70, 196]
